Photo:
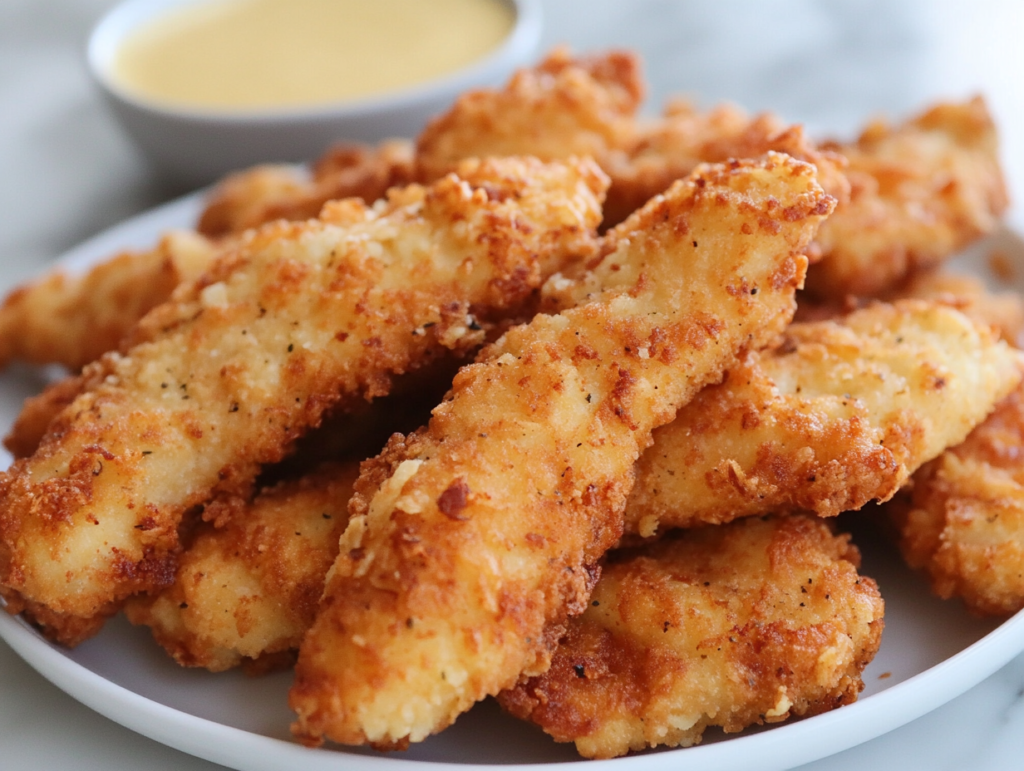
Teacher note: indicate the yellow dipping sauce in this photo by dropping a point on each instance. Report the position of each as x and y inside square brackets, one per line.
[265, 54]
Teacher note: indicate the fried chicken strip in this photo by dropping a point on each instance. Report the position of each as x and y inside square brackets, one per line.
[587, 106]
[668, 147]
[562, 107]
[736, 625]
[1003, 311]
[37, 412]
[962, 520]
[919, 193]
[250, 589]
[473, 539]
[73, 320]
[299, 319]
[263, 194]
[841, 413]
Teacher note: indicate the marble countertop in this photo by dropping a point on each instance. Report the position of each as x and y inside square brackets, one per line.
[67, 171]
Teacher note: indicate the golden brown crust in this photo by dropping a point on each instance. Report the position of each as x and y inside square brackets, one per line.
[1004, 311]
[668, 148]
[297, 319]
[962, 520]
[1001, 310]
[587, 106]
[730, 626]
[239, 201]
[61, 628]
[842, 412]
[250, 588]
[473, 539]
[919, 192]
[263, 194]
[38, 412]
[561, 108]
[72, 320]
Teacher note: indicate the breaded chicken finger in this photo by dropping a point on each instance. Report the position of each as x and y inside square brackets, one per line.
[919, 192]
[841, 413]
[298, 319]
[74, 319]
[730, 626]
[1001, 310]
[962, 520]
[250, 589]
[588, 105]
[256, 196]
[561, 107]
[473, 539]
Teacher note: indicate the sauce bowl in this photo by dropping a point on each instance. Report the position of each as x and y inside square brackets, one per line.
[194, 146]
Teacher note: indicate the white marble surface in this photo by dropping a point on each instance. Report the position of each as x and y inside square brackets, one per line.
[66, 172]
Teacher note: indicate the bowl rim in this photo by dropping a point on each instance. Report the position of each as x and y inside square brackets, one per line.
[521, 43]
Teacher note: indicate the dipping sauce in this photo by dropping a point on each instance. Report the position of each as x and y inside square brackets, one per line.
[266, 54]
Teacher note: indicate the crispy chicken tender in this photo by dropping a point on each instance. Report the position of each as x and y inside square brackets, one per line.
[300, 318]
[560, 108]
[1004, 311]
[263, 194]
[250, 589]
[919, 192]
[37, 412]
[842, 412]
[587, 106]
[731, 626]
[473, 539]
[962, 520]
[922, 191]
[667, 148]
[72, 320]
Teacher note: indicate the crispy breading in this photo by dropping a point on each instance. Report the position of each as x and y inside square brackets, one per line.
[562, 107]
[360, 430]
[73, 319]
[262, 194]
[1003, 311]
[298, 319]
[667, 148]
[919, 193]
[37, 412]
[736, 625]
[251, 588]
[841, 413]
[962, 519]
[473, 539]
[922, 190]
[239, 201]
[568, 106]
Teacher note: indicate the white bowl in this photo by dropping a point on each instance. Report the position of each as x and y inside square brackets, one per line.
[196, 146]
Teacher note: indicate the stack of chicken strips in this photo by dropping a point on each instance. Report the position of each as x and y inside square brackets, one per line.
[622, 425]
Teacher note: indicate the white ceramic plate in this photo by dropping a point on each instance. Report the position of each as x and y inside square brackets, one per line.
[931, 652]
